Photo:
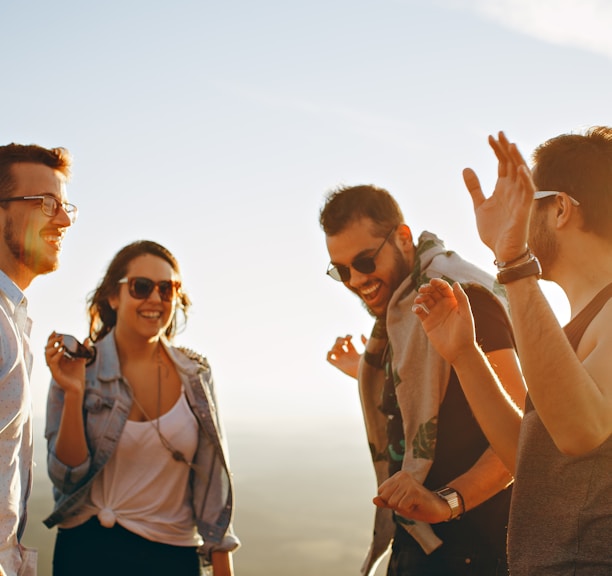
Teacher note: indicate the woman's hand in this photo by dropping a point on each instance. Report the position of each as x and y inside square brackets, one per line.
[222, 564]
[69, 373]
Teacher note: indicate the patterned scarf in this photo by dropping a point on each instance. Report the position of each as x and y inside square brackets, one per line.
[420, 376]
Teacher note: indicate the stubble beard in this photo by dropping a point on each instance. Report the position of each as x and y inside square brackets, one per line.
[401, 271]
[543, 243]
[27, 258]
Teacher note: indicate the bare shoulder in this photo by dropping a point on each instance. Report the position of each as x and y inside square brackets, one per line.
[595, 348]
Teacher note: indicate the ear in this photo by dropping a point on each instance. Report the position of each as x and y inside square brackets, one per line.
[113, 302]
[564, 210]
[404, 236]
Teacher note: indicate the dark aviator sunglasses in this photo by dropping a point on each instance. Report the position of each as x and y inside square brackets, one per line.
[141, 288]
[364, 264]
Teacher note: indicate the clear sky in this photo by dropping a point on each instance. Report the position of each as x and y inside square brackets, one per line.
[216, 128]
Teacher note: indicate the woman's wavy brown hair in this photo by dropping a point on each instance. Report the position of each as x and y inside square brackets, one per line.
[102, 318]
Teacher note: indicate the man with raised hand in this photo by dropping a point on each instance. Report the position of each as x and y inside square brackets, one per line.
[34, 217]
[422, 435]
[553, 222]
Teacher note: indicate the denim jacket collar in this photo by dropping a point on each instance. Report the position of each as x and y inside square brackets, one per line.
[110, 369]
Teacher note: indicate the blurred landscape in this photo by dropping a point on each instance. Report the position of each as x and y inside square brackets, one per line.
[303, 500]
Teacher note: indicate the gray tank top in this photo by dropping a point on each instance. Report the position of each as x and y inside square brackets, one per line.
[561, 512]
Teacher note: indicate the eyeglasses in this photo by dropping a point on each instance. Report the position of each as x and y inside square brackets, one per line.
[141, 288]
[546, 193]
[364, 264]
[49, 205]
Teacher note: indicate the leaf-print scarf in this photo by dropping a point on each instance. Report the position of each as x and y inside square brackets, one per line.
[421, 377]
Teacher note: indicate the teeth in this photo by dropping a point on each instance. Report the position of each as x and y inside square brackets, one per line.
[152, 315]
[52, 238]
[370, 290]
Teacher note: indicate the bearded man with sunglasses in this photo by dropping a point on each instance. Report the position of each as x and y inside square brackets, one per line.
[426, 447]
[34, 217]
[554, 221]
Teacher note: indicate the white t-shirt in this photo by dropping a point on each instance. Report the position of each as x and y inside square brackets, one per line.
[142, 487]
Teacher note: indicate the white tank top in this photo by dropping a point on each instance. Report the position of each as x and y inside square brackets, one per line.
[142, 487]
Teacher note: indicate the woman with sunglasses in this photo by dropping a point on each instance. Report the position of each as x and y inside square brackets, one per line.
[135, 446]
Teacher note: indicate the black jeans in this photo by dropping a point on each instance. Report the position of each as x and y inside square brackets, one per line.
[451, 559]
[97, 551]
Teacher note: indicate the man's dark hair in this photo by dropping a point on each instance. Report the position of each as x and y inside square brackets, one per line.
[581, 166]
[346, 204]
[56, 158]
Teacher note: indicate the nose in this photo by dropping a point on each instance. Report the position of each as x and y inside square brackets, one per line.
[63, 218]
[155, 294]
[357, 278]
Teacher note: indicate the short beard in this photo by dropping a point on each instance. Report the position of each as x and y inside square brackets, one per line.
[26, 258]
[543, 243]
[401, 271]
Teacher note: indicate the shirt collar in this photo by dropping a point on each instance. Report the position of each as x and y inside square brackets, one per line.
[14, 294]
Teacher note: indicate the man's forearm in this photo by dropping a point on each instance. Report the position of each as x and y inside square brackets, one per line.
[567, 399]
[496, 412]
[483, 480]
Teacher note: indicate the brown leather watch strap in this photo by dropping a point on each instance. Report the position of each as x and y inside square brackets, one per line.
[530, 267]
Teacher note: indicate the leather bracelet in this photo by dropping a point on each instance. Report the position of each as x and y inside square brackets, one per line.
[528, 268]
[501, 265]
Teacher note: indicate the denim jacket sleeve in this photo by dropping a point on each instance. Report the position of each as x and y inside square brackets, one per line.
[65, 479]
[212, 489]
[106, 405]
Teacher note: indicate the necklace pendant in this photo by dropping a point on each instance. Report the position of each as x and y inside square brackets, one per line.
[178, 456]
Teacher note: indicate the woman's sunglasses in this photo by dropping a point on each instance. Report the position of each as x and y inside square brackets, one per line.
[365, 265]
[141, 288]
[74, 349]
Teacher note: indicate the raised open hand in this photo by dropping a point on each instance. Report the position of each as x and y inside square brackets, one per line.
[344, 356]
[503, 218]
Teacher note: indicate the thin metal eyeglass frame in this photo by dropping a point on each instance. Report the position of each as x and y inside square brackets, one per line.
[362, 264]
[176, 286]
[539, 194]
[46, 200]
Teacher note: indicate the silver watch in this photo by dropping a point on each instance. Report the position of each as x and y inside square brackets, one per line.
[454, 501]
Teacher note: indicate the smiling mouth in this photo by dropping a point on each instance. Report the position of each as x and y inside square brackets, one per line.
[370, 292]
[53, 238]
[151, 315]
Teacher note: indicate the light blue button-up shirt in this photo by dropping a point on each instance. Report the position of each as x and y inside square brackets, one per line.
[15, 421]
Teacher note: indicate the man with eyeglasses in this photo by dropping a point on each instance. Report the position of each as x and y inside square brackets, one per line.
[421, 432]
[553, 222]
[34, 217]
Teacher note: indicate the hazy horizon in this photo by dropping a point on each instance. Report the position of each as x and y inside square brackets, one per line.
[216, 129]
[303, 499]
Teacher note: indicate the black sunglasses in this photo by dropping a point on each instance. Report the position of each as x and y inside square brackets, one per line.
[365, 264]
[141, 288]
[74, 349]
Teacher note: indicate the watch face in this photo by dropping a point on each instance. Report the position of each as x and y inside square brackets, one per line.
[454, 501]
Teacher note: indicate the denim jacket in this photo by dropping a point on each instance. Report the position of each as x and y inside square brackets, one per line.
[106, 406]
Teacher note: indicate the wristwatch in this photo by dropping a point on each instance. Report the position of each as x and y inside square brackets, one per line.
[454, 501]
[530, 267]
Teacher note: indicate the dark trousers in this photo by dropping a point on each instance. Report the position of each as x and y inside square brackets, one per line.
[97, 551]
[453, 558]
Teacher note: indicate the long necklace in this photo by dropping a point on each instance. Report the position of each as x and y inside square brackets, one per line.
[176, 454]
